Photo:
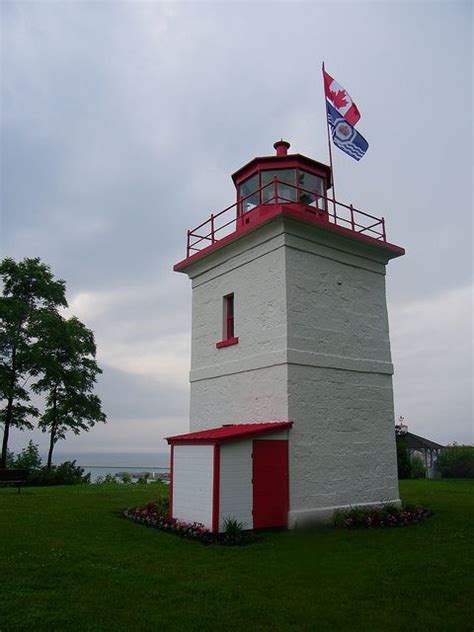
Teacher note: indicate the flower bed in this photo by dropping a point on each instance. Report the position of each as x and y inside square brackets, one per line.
[388, 516]
[156, 515]
[151, 516]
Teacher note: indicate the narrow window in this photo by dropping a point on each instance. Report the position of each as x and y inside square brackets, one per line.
[228, 330]
[228, 317]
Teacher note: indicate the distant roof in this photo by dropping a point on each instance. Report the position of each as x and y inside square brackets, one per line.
[231, 432]
[414, 442]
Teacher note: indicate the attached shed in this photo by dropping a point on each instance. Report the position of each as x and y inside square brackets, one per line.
[236, 471]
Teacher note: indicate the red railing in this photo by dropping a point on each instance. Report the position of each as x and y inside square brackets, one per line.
[276, 193]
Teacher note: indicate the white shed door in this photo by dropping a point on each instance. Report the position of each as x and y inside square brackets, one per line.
[236, 483]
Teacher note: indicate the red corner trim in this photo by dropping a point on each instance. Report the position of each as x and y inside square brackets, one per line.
[216, 488]
[227, 343]
[171, 480]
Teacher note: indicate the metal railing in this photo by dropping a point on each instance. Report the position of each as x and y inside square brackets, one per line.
[275, 193]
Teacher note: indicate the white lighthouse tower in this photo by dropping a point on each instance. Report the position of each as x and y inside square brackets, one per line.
[290, 345]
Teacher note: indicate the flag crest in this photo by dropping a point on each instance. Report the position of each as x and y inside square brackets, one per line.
[344, 135]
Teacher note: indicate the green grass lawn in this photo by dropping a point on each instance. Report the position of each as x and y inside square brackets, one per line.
[68, 563]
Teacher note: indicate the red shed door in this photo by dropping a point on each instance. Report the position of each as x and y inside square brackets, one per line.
[270, 483]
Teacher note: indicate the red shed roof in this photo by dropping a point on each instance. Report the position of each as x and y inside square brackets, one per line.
[231, 432]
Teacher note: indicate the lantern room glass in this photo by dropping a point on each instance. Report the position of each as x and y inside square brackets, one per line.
[294, 185]
[286, 188]
[310, 186]
[249, 194]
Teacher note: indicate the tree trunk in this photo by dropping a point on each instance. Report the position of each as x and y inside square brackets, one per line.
[6, 433]
[9, 412]
[52, 433]
[51, 446]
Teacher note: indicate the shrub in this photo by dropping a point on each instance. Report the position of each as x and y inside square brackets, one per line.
[10, 462]
[408, 468]
[456, 461]
[27, 459]
[68, 473]
[417, 468]
[108, 478]
[143, 478]
[163, 506]
[403, 459]
[387, 516]
[233, 531]
[124, 477]
[233, 527]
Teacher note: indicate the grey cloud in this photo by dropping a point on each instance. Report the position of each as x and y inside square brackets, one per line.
[135, 396]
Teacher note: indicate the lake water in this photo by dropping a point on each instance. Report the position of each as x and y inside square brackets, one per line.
[103, 463]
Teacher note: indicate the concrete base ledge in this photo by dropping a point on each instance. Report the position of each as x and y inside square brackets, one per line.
[323, 515]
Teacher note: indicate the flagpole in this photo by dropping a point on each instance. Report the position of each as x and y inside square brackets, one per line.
[330, 150]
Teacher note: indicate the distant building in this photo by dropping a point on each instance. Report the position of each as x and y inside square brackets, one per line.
[428, 451]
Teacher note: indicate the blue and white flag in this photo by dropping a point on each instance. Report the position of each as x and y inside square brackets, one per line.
[344, 135]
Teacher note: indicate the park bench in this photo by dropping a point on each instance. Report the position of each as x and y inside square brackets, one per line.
[13, 477]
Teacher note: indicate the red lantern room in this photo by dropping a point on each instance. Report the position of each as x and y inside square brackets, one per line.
[284, 178]
[288, 184]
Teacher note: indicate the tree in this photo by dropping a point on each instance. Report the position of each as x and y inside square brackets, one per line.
[29, 458]
[403, 458]
[28, 286]
[456, 461]
[64, 357]
[417, 467]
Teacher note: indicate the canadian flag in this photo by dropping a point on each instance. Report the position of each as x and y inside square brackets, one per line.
[341, 99]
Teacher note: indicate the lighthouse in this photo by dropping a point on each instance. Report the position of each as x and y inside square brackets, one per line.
[291, 414]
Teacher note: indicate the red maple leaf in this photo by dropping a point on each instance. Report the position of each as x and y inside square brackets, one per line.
[339, 99]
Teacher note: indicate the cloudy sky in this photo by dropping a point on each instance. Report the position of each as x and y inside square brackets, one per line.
[122, 122]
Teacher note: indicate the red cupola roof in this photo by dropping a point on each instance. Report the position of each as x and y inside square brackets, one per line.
[283, 160]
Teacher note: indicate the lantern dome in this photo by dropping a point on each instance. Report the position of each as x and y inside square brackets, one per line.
[300, 180]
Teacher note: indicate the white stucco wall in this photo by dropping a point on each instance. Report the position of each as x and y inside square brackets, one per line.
[342, 446]
[314, 348]
[342, 450]
[250, 395]
[247, 381]
[193, 483]
[254, 270]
